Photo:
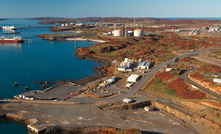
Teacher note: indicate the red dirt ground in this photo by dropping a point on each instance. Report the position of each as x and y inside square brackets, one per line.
[178, 85]
[192, 94]
[165, 76]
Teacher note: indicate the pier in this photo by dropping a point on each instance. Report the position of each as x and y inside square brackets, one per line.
[30, 39]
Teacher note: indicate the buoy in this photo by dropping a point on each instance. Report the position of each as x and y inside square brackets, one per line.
[26, 88]
[15, 84]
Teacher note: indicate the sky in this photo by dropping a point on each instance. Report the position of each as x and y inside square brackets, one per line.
[109, 8]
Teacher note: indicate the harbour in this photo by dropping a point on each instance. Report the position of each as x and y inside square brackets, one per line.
[37, 60]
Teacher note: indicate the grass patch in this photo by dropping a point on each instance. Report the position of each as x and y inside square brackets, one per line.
[159, 86]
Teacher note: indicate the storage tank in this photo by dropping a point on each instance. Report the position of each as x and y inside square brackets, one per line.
[118, 32]
[138, 32]
[124, 64]
[126, 60]
[128, 65]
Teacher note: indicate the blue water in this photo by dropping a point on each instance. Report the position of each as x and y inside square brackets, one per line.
[39, 61]
[7, 127]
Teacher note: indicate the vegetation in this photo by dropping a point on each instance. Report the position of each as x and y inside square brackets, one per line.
[159, 86]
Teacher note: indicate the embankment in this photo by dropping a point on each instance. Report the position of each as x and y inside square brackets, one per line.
[177, 112]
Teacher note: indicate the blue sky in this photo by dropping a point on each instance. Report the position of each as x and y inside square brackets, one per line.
[109, 8]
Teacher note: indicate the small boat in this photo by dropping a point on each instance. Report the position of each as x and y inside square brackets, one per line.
[15, 84]
[26, 88]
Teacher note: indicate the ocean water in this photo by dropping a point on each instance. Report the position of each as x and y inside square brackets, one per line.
[7, 127]
[40, 60]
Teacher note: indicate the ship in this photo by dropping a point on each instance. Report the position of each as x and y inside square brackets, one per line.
[16, 39]
[8, 28]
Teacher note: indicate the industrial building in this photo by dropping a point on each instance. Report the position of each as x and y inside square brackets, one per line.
[133, 78]
[138, 33]
[111, 80]
[127, 63]
[144, 65]
[217, 80]
[148, 109]
[127, 100]
[121, 68]
[118, 32]
[129, 84]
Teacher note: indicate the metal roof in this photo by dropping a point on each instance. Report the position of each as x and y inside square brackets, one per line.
[144, 63]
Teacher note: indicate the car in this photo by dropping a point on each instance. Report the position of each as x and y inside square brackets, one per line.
[177, 59]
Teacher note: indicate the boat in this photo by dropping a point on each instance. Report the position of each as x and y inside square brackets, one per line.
[8, 28]
[16, 39]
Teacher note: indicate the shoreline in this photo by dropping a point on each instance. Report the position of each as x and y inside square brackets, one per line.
[105, 64]
[85, 39]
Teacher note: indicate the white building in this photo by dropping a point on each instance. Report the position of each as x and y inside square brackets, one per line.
[121, 68]
[217, 80]
[133, 78]
[144, 65]
[111, 80]
[127, 100]
[128, 84]
[148, 109]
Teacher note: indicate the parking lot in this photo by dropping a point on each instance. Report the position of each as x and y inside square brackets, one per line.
[60, 92]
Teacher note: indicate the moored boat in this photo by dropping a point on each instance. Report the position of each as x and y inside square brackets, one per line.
[16, 39]
[8, 28]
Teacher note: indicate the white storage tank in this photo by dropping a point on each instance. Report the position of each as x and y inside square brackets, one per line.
[128, 65]
[124, 64]
[118, 32]
[138, 32]
[126, 60]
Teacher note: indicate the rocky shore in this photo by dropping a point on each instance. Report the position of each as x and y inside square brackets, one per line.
[101, 71]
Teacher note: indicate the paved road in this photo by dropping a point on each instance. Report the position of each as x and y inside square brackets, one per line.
[209, 60]
[138, 86]
[184, 77]
[148, 76]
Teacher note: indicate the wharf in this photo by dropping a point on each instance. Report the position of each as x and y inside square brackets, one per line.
[59, 93]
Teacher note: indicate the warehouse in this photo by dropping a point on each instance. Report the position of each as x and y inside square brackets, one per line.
[133, 78]
[144, 65]
[217, 80]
